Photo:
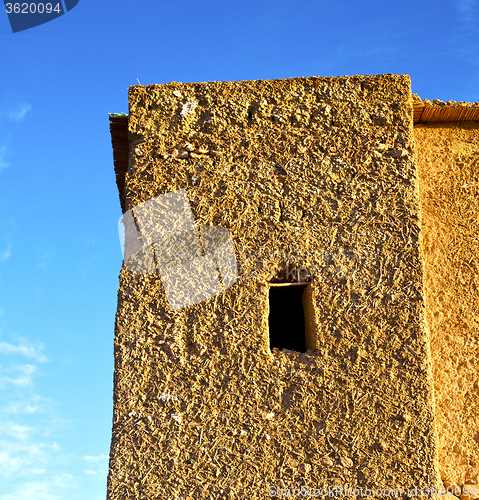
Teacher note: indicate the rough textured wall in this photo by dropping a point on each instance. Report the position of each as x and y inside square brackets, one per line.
[313, 173]
[448, 163]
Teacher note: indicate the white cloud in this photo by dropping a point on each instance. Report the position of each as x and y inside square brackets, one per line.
[18, 112]
[98, 465]
[45, 259]
[43, 490]
[5, 254]
[3, 153]
[15, 113]
[24, 379]
[466, 10]
[33, 466]
[18, 457]
[25, 350]
[27, 407]
[8, 463]
[17, 431]
[92, 458]
[38, 471]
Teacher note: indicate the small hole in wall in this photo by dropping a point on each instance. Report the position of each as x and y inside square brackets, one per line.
[287, 323]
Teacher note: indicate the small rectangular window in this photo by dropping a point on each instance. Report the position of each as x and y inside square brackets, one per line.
[291, 324]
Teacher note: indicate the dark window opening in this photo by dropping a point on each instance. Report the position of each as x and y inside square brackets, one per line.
[287, 325]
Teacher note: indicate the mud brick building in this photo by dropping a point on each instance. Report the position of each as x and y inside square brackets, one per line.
[315, 366]
[447, 150]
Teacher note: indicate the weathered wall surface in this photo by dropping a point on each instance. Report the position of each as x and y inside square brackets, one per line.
[316, 173]
[448, 164]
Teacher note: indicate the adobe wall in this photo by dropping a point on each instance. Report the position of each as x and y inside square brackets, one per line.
[448, 165]
[316, 173]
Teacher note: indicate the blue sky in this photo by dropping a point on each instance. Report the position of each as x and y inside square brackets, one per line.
[59, 250]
